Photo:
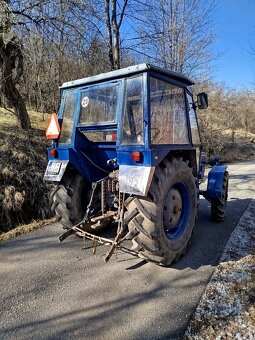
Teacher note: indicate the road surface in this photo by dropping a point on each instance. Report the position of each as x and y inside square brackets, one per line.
[52, 290]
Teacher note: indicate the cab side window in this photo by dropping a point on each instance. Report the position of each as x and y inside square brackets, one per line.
[193, 121]
[168, 113]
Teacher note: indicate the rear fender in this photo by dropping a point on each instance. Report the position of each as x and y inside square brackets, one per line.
[215, 182]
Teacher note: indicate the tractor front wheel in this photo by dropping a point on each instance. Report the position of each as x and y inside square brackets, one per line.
[164, 220]
[219, 205]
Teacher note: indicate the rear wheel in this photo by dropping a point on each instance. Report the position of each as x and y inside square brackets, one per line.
[219, 205]
[163, 221]
[69, 200]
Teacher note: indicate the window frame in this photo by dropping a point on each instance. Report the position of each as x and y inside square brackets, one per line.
[143, 76]
[177, 84]
[101, 85]
[188, 109]
[61, 113]
[105, 127]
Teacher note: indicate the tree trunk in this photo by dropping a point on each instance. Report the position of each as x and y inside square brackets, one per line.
[116, 37]
[113, 30]
[11, 59]
[233, 136]
[109, 33]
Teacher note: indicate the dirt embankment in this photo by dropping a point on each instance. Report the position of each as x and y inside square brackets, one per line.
[23, 194]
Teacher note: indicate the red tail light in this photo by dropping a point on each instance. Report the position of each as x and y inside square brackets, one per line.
[53, 153]
[136, 156]
[53, 129]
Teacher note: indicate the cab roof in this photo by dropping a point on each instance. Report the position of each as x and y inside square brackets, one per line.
[128, 71]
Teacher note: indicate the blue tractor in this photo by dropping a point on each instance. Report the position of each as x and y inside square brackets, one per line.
[126, 147]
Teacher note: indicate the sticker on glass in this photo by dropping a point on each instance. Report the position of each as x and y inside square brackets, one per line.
[85, 101]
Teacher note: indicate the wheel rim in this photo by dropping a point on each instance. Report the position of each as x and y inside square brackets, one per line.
[176, 210]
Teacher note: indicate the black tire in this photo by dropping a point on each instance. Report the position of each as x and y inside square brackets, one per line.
[67, 200]
[163, 229]
[219, 205]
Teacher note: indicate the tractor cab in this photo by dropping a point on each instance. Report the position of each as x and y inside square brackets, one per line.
[129, 117]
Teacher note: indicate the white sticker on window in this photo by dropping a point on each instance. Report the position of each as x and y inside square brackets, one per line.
[85, 101]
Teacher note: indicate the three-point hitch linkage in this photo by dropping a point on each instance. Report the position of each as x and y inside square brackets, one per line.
[99, 222]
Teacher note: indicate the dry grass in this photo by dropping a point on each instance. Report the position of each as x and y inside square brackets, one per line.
[239, 135]
[23, 193]
[229, 147]
[237, 152]
[25, 229]
[38, 120]
[242, 148]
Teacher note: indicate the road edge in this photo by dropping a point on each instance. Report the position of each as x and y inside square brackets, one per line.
[24, 229]
[225, 308]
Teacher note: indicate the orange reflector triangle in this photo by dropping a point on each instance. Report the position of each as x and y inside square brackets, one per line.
[53, 129]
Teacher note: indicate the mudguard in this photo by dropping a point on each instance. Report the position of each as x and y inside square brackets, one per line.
[215, 182]
[135, 180]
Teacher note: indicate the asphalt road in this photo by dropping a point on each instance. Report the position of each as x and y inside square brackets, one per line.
[52, 290]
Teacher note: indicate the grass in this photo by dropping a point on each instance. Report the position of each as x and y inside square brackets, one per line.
[38, 120]
[24, 229]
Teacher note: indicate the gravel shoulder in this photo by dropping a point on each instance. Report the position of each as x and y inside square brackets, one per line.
[226, 309]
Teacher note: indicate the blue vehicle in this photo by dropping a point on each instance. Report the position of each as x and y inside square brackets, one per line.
[126, 147]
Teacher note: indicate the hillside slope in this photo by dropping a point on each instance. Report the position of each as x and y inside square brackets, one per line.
[23, 194]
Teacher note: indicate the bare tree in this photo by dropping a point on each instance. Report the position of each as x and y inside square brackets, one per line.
[113, 19]
[51, 38]
[177, 34]
[228, 122]
[11, 64]
[61, 40]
